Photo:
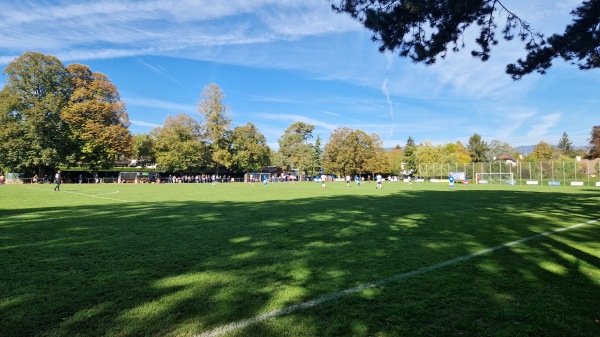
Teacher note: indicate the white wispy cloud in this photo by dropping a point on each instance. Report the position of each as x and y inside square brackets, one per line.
[160, 104]
[386, 92]
[335, 114]
[297, 118]
[139, 27]
[141, 123]
[162, 72]
[544, 123]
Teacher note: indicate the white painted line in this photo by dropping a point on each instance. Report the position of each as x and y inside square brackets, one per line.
[109, 192]
[313, 303]
[83, 194]
[98, 196]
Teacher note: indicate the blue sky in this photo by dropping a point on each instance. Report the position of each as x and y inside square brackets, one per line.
[282, 61]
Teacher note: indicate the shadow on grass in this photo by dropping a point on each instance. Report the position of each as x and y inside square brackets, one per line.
[182, 268]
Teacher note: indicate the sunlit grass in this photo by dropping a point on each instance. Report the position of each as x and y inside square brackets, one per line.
[179, 260]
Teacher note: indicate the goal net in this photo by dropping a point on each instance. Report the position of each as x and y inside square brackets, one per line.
[256, 177]
[494, 178]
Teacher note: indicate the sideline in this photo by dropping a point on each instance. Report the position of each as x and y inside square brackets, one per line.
[87, 195]
[313, 303]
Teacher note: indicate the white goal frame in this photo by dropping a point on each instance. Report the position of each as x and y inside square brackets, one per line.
[494, 176]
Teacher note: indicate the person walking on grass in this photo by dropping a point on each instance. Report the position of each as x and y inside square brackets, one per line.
[57, 180]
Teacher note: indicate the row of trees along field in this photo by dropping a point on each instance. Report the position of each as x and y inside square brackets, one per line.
[52, 116]
[347, 151]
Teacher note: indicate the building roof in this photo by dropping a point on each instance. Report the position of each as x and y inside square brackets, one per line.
[505, 157]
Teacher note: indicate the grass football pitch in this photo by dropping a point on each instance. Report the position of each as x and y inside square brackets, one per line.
[299, 260]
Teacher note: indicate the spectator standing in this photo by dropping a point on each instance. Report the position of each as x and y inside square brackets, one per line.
[57, 180]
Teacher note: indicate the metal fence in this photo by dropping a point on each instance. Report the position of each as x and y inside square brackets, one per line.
[574, 173]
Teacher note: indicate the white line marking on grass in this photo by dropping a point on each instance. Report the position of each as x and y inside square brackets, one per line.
[315, 302]
[99, 196]
[109, 192]
[86, 195]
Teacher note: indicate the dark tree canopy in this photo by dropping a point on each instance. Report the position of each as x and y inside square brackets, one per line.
[478, 148]
[595, 142]
[424, 30]
[32, 134]
[565, 145]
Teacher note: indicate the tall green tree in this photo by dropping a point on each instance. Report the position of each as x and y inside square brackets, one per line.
[294, 150]
[565, 145]
[179, 146]
[595, 142]
[250, 152]
[317, 161]
[143, 148]
[410, 159]
[32, 135]
[97, 120]
[426, 30]
[217, 125]
[478, 148]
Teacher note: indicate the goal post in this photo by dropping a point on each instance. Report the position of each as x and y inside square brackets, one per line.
[494, 178]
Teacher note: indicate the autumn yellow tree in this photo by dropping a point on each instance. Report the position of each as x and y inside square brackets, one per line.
[541, 152]
[458, 153]
[97, 120]
[395, 158]
[354, 152]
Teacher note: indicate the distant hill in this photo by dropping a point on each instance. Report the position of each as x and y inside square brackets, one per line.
[527, 149]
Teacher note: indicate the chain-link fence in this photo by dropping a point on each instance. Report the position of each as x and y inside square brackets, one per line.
[567, 173]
